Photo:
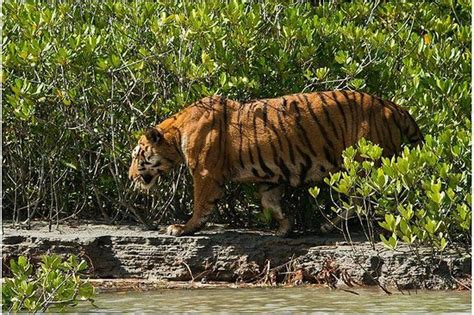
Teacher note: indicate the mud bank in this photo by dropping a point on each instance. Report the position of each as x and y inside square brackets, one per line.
[130, 252]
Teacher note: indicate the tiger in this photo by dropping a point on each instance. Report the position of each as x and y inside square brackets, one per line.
[289, 140]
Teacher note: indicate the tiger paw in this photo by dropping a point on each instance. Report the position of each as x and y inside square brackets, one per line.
[175, 230]
[282, 233]
[284, 229]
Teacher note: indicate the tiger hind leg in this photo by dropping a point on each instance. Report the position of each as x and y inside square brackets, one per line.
[271, 199]
[344, 216]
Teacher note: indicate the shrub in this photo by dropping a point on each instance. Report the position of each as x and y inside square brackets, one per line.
[421, 196]
[56, 283]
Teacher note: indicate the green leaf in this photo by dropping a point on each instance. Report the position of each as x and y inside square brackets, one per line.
[16, 270]
[357, 84]
[443, 244]
[314, 192]
[341, 57]
[82, 266]
[321, 73]
[86, 291]
[391, 243]
[22, 262]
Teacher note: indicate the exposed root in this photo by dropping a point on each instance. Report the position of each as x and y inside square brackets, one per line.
[464, 283]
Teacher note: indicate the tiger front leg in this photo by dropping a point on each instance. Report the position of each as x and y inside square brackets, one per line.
[207, 192]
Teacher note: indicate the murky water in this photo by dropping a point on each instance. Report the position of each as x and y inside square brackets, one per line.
[298, 299]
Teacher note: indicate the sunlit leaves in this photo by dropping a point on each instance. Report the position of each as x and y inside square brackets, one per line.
[418, 196]
[56, 282]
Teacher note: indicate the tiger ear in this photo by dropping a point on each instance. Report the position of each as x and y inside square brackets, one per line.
[153, 135]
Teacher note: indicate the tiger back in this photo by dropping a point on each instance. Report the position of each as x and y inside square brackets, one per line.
[299, 138]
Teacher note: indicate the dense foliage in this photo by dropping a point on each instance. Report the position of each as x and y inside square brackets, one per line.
[421, 196]
[55, 284]
[80, 82]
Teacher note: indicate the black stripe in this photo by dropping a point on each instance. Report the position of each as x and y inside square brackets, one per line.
[306, 166]
[255, 172]
[213, 124]
[341, 112]
[380, 130]
[280, 122]
[273, 128]
[413, 124]
[285, 170]
[386, 134]
[357, 119]
[239, 112]
[265, 118]
[274, 153]
[264, 167]
[395, 117]
[284, 105]
[249, 110]
[175, 129]
[224, 104]
[390, 135]
[318, 123]
[223, 131]
[290, 150]
[375, 126]
[362, 106]
[294, 105]
[353, 111]
[252, 161]
[290, 145]
[396, 114]
[213, 120]
[400, 114]
[302, 133]
[330, 157]
[395, 108]
[219, 138]
[371, 123]
[328, 117]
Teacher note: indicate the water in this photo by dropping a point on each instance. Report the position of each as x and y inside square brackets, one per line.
[299, 299]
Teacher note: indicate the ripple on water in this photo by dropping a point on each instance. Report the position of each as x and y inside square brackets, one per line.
[308, 299]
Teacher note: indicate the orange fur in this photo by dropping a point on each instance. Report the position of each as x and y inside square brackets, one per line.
[288, 140]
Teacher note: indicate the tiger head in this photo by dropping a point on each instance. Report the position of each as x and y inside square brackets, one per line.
[153, 156]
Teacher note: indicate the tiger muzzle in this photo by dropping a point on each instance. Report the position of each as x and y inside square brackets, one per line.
[146, 178]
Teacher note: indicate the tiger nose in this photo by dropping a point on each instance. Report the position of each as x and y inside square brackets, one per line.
[146, 178]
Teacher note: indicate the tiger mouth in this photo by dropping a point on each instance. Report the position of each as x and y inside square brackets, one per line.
[144, 184]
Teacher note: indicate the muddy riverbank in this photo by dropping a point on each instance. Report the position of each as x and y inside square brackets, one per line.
[140, 257]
